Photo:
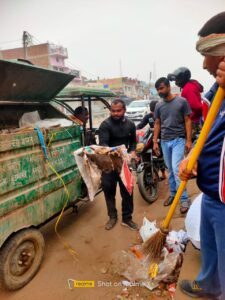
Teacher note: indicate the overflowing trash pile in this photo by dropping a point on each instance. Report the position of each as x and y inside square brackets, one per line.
[137, 268]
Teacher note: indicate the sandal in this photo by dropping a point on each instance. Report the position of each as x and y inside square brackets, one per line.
[184, 206]
[168, 201]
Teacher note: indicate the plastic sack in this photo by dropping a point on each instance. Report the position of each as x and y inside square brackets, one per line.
[90, 173]
[126, 263]
[127, 177]
[134, 269]
[176, 241]
[147, 229]
[29, 119]
[167, 266]
[47, 123]
[192, 221]
[93, 160]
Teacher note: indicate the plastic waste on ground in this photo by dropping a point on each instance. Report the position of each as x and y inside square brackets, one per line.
[136, 266]
[176, 241]
[134, 269]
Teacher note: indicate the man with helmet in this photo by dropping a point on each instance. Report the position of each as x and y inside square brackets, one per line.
[191, 90]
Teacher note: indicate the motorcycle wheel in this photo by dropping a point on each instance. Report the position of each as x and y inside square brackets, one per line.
[148, 184]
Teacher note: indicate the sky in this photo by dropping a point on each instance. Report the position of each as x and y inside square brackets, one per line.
[110, 38]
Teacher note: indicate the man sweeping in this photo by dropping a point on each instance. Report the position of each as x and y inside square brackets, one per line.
[210, 171]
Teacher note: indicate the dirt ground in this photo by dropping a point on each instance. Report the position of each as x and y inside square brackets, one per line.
[95, 246]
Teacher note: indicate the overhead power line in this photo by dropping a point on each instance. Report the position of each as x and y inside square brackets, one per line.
[8, 42]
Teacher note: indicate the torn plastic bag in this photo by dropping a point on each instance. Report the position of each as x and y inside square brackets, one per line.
[29, 119]
[90, 173]
[128, 265]
[147, 229]
[93, 160]
[176, 241]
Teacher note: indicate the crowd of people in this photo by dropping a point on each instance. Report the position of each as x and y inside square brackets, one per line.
[177, 122]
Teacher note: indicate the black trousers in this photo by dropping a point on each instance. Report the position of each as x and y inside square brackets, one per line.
[109, 183]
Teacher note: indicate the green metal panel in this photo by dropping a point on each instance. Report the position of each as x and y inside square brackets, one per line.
[86, 92]
[37, 211]
[30, 166]
[30, 191]
[15, 141]
[25, 82]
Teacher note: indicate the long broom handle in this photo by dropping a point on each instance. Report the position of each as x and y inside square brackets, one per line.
[214, 109]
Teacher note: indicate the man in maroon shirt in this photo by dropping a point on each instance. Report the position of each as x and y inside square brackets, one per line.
[191, 90]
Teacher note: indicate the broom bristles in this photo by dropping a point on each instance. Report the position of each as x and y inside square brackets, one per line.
[154, 245]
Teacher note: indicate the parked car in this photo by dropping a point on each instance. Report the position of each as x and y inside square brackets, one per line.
[137, 109]
[126, 100]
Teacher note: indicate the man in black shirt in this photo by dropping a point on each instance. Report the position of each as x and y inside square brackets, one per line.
[115, 131]
[149, 118]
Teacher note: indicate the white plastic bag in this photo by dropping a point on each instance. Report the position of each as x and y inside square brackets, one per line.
[176, 240]
[192, 221]
[89, 172]
[29, 119]
[47, 123]
[147, 229]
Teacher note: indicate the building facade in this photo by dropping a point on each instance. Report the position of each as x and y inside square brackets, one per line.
[129, 87]
[45, 55]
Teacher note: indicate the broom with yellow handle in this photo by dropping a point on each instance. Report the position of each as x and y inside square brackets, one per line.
[154, 245]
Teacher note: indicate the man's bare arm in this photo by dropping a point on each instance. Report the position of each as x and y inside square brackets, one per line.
[157, 128]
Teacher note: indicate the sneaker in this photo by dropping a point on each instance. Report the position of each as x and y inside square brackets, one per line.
[130, 224]
[184, 206]
[192, 289]
[110, 224]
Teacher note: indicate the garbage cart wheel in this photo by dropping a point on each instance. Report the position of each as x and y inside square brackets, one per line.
[20, 258]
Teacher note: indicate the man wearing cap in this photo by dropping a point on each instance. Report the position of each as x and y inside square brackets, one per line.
[210, 170]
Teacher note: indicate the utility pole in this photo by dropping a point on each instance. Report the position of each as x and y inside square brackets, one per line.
[121, 76]
[121, 71]
[27, 40]
[154, 75]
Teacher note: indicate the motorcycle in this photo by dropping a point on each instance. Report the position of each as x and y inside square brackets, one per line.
[147, 169]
